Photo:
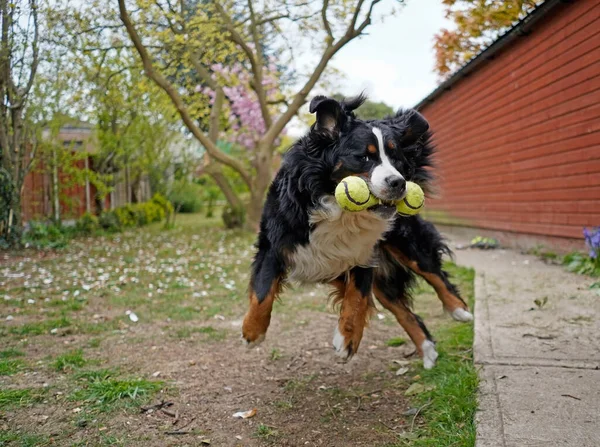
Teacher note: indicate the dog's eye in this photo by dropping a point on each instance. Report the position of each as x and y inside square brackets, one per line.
[366, 158]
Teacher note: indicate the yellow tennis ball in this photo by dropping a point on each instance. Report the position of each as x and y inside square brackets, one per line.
[412, 202]
[352, 194]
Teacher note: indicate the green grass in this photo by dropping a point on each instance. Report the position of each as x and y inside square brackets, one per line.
[208, 333]
[396, 341]
[11, 438]
[447, 416]
[19, 397]
[581, 264]
[265, 432]
[275, 354]
[41, 327]
[103, 392]
[94, 342]
[8, 367]
[11, 353]
[96, 375]
[69, 361]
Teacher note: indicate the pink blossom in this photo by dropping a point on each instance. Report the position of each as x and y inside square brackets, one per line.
[246, 123]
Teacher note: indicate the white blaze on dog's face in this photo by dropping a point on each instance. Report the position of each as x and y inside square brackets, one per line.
[385, 181]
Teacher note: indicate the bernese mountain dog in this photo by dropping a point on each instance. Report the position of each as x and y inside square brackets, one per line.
[306, 237]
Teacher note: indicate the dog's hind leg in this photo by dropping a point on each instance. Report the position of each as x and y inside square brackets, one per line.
[438, 279]
[416, 244]
[265, 285]
[353, 292]
[391, 292]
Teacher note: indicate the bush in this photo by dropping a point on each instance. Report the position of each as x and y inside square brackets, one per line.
[148, 212]
[136, 214]
[126, 215]
[109, 221]
[42, 235]
[186, 197]
[233, 217]
[87, 224]
[162, 201]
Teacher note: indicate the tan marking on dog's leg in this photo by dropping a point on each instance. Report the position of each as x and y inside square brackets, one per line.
[405, 318]
[408, 321]
[354, 315]
[258, 318]
[450, 301]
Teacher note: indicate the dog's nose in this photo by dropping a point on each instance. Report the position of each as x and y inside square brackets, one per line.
[396, 183]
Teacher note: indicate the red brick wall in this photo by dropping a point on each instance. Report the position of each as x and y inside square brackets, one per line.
[519, 138]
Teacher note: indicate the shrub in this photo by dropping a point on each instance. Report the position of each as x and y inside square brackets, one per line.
[233, 217]
[162, 201]
[45, 235]
[151, 212]
[186, 197]
[126, 215]
[87, 224]
[109, 221]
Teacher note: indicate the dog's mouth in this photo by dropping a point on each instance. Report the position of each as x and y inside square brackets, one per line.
[385, 208]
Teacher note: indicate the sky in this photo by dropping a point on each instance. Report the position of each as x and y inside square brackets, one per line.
[394, 61]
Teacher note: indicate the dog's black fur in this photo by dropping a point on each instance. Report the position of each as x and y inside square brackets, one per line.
[335, 147]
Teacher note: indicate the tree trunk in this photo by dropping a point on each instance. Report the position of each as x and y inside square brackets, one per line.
[14, 222]
[254, 211]
[99, 201]
[225, 187]
[264, 174]
[55, 195]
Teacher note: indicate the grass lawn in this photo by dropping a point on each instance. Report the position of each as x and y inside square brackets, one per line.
[133, 339]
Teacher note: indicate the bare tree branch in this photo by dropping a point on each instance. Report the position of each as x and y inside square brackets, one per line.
[330, 50]
[35, 50]
[367, 20]
[326, 22]
[258, 72]
[210, 147]
[355, 15]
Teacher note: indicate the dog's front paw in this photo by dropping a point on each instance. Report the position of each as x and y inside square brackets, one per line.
[253, 333]
[250, 342]
[429, 354]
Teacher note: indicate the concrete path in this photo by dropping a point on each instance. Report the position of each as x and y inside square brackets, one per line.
[540, 367]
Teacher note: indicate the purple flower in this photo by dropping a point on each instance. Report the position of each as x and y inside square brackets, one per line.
[592, 240]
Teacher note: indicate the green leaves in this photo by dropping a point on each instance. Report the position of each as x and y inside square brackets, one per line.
[581, 264]
[478, 23]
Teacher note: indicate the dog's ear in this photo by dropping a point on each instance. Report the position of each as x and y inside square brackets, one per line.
[330, 114]
[411, 124]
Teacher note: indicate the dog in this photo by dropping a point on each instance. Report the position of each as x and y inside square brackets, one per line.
[306, 237]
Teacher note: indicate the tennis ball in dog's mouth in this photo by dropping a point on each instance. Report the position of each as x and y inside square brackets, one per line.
[412, 202]
[352, 194]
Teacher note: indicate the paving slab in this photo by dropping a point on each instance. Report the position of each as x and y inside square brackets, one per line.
[539, 363]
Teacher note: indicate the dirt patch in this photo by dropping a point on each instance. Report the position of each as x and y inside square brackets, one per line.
[303, 394]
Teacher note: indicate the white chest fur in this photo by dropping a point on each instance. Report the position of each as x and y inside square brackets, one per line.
[339, 241]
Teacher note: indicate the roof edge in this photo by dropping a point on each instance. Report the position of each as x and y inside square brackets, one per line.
[521, 28]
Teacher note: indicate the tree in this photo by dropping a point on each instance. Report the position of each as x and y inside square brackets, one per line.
[199, 34]
[19, 59]
[135, 124]
[370, 110]
[478, 24]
